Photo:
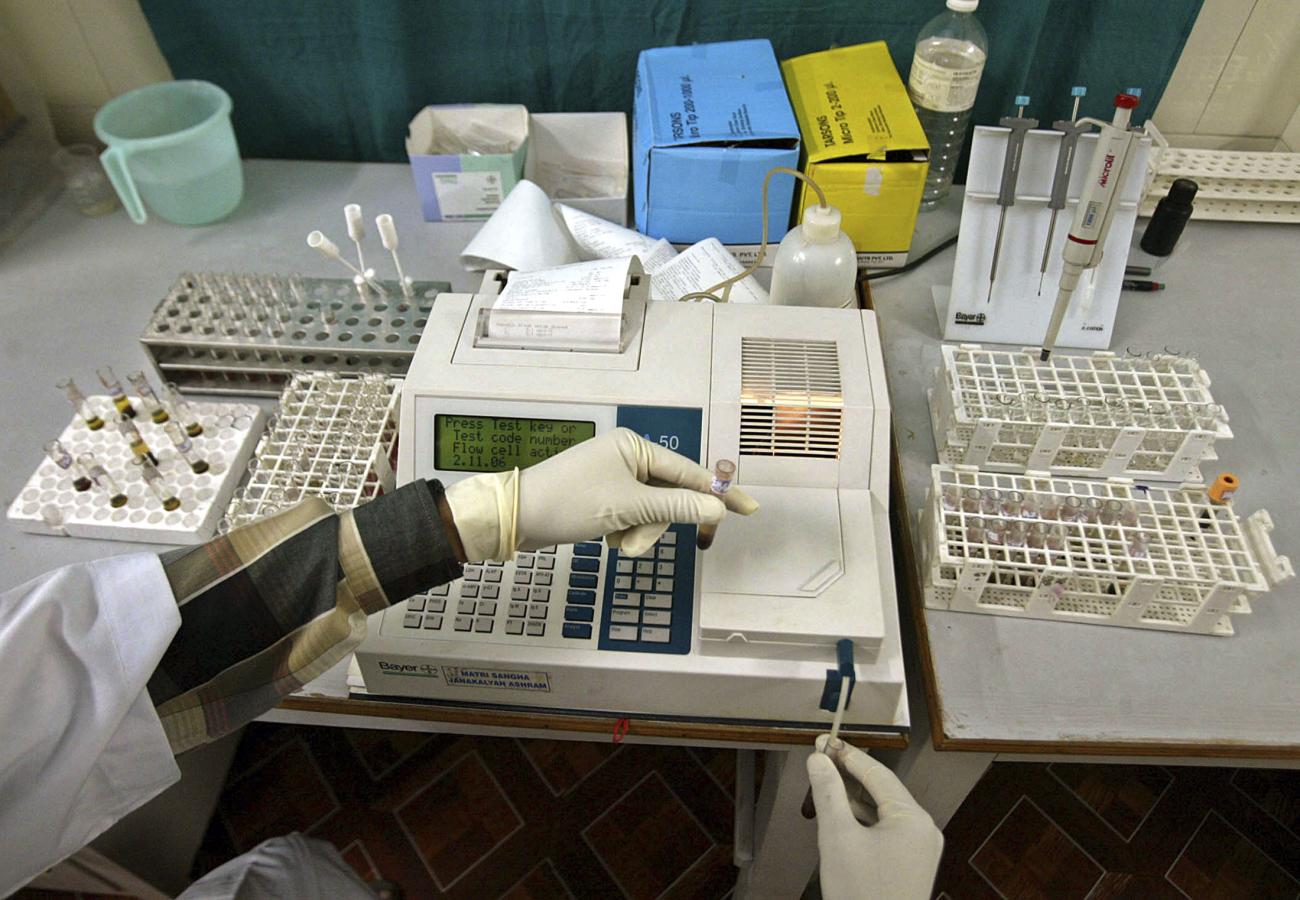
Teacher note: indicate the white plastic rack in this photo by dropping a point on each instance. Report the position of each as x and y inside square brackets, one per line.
[50, 504]
[247, 334]
[333, 437]
[1232, 185]
[1107, 552]
[1093, 415]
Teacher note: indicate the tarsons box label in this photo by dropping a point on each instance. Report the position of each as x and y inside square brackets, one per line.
[505, 679]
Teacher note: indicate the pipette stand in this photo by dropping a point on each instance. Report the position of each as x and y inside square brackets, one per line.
[1016, 313]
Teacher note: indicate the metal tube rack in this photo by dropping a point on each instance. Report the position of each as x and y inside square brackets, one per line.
[248, 334]
[1157, 558]
[333, 437]
[49, 504]
[1093, 415]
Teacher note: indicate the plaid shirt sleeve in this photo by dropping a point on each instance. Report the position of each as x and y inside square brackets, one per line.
[272, 605]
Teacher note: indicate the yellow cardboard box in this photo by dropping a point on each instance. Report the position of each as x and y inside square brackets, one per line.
[862, 143]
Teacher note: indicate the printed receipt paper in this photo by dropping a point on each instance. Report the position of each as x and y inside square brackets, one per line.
[579, 304]
[530, 233]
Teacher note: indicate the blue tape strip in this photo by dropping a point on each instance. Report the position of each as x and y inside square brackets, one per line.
[835, 677]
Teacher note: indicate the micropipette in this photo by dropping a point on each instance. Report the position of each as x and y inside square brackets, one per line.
[1019, 126]
[1064, 169]
[1087, 238]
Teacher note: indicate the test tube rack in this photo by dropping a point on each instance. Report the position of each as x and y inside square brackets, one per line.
[1091, 415]
[248, 334]
[229, 432]
[1233, 185]
[1171, 561]
[333, 437]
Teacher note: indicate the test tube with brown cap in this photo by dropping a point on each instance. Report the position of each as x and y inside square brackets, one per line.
[723, 471]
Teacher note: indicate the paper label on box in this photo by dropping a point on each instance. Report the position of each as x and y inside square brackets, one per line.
[467, 195]
[942, 89]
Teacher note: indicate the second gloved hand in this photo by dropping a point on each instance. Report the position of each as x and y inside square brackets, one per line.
[618, 485]
[893, 859]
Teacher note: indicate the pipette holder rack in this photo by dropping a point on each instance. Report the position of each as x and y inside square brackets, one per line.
[229, 432]
[333, 437]
[1091, 415]
[248, 334]
[1201, 563]
[1015, 312]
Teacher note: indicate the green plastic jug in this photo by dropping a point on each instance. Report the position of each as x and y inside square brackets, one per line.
[171, 147]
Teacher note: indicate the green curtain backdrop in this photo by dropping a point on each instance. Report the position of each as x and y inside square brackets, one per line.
[340, 79]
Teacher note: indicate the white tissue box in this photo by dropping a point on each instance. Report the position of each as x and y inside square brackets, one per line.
[581, 160]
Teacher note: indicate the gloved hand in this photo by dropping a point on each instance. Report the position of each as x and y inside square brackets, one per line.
[618, 485]
[895, 858]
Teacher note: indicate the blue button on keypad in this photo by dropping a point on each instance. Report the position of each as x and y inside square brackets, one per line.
[587, 549]
[582, 581]
[584, 564]
[583, 598]
[579, 614]
[576, 630]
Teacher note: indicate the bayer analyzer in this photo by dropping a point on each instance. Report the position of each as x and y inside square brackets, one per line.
[946, 68]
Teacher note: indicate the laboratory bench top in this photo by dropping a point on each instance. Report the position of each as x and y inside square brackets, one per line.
[1009, 685]
[76, 293]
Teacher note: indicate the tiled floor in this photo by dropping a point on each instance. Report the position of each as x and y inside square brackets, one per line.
[1035, 830]
[447, 816]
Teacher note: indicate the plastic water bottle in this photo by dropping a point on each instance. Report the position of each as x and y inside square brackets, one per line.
[816, 264]
[946, 69]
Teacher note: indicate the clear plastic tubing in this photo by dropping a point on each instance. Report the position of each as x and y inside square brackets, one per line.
[946, 68]
[723, 471]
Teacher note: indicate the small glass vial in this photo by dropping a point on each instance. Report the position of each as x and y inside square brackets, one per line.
[1017, 534]
[1092, 508]
[181, 409]
[995, 532]
[1055, 540]
[185, 447]
[975, 530]
[1111, 511]
[81, 404]
[148, 399]
[951, 497]
[970, 500]
[1049, 507]
[1071, 509]
[1139, 545]
[63, 459]
[116, 393]
[135, 441]
[991, 505]
[1036, 536]
[105, 482]
[1029, 507]
[723, 471]
[1013, 504]
[158, 485]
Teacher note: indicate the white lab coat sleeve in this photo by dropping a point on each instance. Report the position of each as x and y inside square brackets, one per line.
[80, 743]
[288, 866]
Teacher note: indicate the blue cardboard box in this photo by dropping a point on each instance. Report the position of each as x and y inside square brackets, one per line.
[708, 122]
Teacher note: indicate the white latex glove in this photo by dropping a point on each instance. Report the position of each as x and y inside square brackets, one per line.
[618, 485]
[897, 857]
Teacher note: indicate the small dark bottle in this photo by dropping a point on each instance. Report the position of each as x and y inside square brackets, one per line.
[1172, 213]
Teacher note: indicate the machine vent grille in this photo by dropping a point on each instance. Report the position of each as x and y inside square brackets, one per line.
[791, 400]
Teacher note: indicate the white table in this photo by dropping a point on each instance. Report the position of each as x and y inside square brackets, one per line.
[1018, 687]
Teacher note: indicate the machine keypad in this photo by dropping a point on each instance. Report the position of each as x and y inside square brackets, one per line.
[646, 601]
[524, 603]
